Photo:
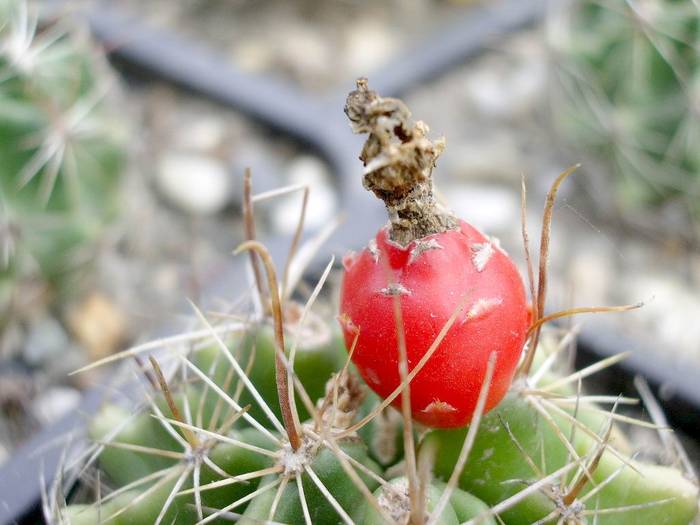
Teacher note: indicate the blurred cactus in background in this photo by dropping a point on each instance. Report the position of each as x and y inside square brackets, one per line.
[61, 151]
[627, 93]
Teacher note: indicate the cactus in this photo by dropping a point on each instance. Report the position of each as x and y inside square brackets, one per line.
[62, 150]
[628, 92]
[214, 441]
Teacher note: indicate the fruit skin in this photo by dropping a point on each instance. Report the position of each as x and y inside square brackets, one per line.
[431, 277]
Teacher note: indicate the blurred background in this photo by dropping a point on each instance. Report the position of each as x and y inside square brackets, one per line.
[126, 126]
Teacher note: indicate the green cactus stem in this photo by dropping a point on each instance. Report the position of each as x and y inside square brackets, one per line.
[517, 445]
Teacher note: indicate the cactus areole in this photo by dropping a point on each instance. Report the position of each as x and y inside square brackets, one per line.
[433, 264]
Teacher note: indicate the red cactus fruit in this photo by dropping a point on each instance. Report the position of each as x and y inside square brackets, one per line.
[432, 276]
[433, 262]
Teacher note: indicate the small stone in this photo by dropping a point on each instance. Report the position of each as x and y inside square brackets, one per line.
[489, 207]
[495, 156]
[203, 134]
[98, 325]
[266, 169]
[194, 183]
[322, 205]
[253, 55]
[527, 84]
[592, 271]
[369, 46]
[484, 88]
[303, 50]
[500, 89]
[54, 403]
[45, 341]
[166, 277]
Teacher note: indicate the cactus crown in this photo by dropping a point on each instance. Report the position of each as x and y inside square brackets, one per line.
[216, 440]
